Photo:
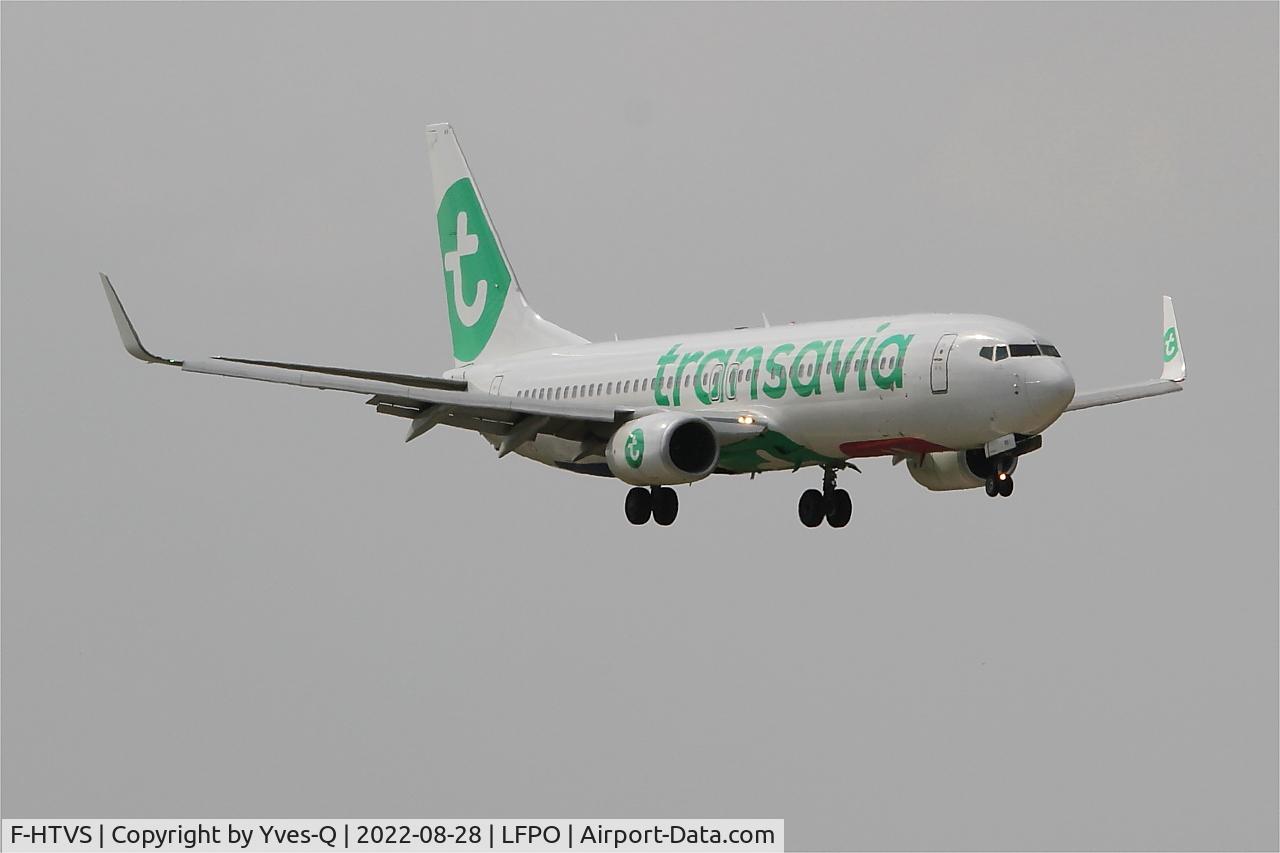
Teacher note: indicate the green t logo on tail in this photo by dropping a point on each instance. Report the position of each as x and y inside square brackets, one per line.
[633, 450]
[1170, 344]
[476, 278]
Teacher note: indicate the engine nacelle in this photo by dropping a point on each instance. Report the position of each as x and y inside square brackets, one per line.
[663, 449]
[954, 469]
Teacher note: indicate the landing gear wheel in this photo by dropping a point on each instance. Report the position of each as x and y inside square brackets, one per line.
[638, 505]
[812, 508]
[993, 486]
[839, 508]
[1006, 486]
[665, 505]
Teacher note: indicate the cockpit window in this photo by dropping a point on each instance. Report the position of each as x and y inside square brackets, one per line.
[1050, 349]
[1002, 353]
[986, 353]
[1023, 350]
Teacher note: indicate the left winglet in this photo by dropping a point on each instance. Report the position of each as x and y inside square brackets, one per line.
[128, 334]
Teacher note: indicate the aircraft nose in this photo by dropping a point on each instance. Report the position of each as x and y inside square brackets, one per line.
[1050, 387]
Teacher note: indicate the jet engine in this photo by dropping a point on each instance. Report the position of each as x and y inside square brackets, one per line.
[663, 449]
[954, 469]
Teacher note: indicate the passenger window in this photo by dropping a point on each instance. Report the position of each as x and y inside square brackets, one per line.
[1050, 350]
[986, 352]
[1002, 353]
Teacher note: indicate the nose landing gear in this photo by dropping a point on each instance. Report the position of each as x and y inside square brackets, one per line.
[999, 483]
[661, 504]
[831, 503]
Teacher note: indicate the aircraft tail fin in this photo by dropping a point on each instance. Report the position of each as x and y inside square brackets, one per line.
[488, 314]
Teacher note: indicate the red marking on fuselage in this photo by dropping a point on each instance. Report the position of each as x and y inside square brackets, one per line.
[888, 446]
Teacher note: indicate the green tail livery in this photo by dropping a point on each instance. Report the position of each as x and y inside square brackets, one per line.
[476, 277]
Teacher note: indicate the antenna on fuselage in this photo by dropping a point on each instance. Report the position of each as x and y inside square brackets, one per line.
[765, 318]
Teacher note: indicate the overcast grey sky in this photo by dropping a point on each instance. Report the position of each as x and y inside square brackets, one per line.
[226, 598]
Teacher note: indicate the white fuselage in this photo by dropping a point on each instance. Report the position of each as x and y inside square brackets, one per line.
[828, 390]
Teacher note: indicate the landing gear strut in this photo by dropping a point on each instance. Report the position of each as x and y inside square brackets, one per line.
[831, 503]
[659, 503]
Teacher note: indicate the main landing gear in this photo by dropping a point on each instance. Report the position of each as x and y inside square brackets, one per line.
[659, 503]
[831, 503]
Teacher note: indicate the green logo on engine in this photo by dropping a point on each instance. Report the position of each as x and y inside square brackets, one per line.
[633, 450]
[1170, 343]
[475, 277]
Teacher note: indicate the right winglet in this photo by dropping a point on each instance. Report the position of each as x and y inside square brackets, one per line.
[1175, 365]
[1171, 378]
[128, 334]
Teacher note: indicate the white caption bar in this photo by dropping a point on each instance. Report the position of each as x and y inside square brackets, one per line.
[416, 834]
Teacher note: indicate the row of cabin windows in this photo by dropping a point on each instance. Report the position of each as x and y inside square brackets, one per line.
[629, 386]
[1000, 353]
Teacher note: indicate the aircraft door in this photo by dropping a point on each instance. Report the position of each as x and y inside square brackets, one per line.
[731, 381]
[716, 386]
[938, 375]
[495, 385]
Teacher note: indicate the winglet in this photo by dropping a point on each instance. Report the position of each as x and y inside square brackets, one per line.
[1175, 365]
[129, 335]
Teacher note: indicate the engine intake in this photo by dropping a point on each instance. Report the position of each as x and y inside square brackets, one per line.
[663, 449]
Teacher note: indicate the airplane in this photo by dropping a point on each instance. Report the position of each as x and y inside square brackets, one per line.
[958, 398]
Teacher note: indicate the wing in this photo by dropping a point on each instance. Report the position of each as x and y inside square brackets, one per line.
[1171, 378]
[428, 401]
